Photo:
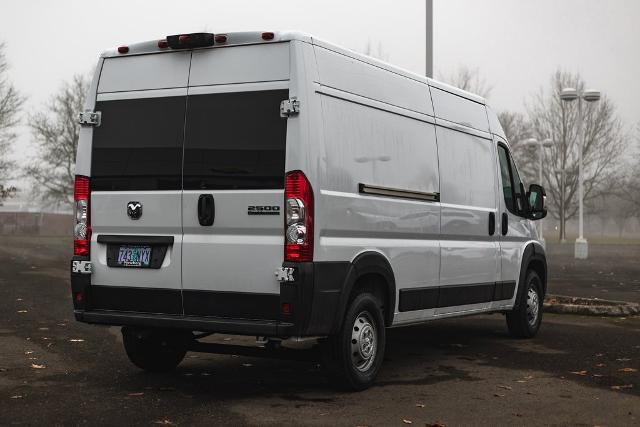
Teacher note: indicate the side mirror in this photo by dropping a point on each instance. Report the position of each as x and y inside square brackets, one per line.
[536, 198]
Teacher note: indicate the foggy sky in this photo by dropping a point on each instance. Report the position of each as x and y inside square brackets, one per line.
[515, 44]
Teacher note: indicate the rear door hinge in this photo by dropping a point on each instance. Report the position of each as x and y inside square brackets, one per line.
[289, 107]
[90, 118]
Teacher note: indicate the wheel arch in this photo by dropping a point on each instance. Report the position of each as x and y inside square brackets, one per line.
[533, 258]
[369, 269]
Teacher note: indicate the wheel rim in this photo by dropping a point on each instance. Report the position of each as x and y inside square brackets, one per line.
[533, 307]
[364, 342]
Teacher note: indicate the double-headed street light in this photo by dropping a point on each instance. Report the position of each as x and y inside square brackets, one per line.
[581, 250]
[546, 143]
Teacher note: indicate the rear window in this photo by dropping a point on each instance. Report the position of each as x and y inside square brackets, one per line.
[229, 141]
[235, 141]
[138, 145]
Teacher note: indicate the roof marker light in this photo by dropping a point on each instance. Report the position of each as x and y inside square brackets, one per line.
[221, 38]
[123, 49]
[268, 36]
[162, 44]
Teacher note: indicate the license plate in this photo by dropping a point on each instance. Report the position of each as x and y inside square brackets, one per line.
[134, 256]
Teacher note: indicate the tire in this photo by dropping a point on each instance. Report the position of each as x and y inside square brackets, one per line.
[354, 355]
[525, 319]
[155, 350]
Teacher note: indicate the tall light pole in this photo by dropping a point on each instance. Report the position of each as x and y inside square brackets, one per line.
[546, 143]
[429, 38]
[581, 250]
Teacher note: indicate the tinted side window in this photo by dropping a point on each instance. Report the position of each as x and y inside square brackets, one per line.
[518, 189]
[138, 145]
[511, 183]
[235, 141]
[505, 172]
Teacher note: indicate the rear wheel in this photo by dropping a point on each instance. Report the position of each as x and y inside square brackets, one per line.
[354, 355]
[155, 350]
[524, 321]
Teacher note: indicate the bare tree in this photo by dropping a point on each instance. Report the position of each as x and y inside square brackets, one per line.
[10, 103]
[603, 143]
[377, 53]
[518, 129]
[468, 79]
[55, 132]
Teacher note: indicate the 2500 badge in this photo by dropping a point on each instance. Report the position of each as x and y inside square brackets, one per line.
[263, 210]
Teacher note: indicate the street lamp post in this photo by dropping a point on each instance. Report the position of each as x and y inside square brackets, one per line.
[546, 143]
[581, 250]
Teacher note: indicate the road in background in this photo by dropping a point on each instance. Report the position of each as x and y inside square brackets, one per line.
[54, 370]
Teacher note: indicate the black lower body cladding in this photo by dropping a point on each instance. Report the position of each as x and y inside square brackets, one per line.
[312, 304]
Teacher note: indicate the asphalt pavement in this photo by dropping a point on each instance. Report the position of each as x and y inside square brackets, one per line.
[611, 272]
[55, 371]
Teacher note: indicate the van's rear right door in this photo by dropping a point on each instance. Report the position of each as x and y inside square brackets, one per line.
[137, 161]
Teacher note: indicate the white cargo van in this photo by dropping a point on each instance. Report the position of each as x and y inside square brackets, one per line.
[278, 186]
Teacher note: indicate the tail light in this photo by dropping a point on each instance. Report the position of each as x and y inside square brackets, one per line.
[298, 201]
[82, 225]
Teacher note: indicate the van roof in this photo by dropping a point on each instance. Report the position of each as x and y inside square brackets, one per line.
[256, 37]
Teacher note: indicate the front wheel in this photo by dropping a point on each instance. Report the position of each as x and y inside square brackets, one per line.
[355, 353]
[524, 320]
[155, 350]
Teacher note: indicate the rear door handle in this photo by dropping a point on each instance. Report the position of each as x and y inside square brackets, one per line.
[505, 223]
[206, 210]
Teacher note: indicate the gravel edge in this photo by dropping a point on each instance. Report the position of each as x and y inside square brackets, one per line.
[590, 306]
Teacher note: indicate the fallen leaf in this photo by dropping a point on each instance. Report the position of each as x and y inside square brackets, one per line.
[528, 377]
[76, 340]
[34, 366]
[407, 421]
[583, 373]
[28, 352]
[164, 422]
[420, 405]
[498, 395]
[138, 393]
[598, 375]
[18, 299]
[621, 387]
[600, 365]
[22, 311]
[506, 387]
[628, 370]
[623, 359]
[17, 396]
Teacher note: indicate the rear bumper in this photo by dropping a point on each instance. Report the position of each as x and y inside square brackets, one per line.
[269, 328]
[313, 299]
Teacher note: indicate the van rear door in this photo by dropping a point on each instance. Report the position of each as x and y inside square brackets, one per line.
[136, 169]
[234, 167]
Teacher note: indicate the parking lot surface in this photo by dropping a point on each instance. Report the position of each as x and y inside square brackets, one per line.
[55, 371]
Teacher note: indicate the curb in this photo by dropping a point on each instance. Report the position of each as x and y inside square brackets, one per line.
[589, 306]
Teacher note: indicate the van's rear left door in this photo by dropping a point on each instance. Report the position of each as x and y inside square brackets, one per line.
[136, 184]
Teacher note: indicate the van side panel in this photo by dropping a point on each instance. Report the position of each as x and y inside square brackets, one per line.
[83, 155]
[364, 79]
[374, 143]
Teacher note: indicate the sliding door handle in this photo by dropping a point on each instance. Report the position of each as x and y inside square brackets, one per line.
[492, 223]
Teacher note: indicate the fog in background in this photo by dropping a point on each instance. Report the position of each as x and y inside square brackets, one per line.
[514, 45]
